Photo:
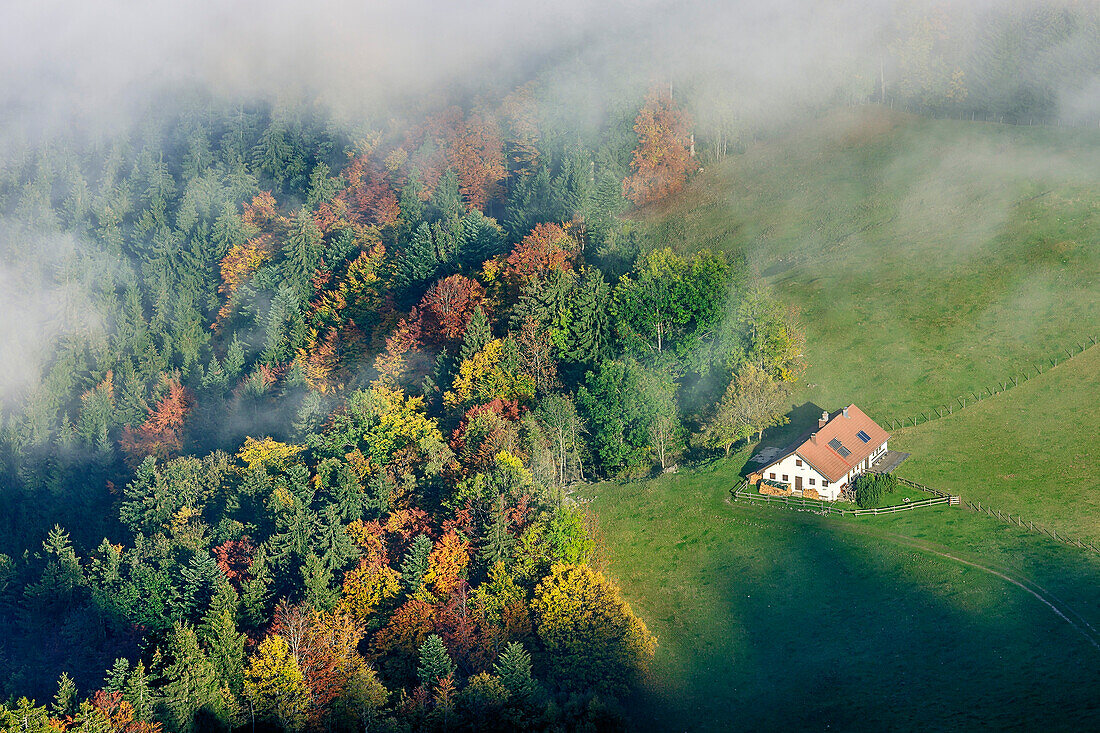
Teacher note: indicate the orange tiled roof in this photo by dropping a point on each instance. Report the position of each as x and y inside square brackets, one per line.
[814, 447]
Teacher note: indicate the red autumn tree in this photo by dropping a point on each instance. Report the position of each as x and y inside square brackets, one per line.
[399, 641]
[548, 247]
[118, 715]
[161, 434]
[662, 160]
[234, 557]
[459, 623]
[447, 307]
[368, 197]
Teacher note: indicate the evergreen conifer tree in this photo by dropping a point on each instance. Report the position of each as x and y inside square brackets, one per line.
[513, 667]
[478, 334]
[219, 636]
[415, 563]
[435, 662]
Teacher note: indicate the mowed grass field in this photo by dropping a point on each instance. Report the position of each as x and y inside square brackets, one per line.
[1033, 451]
[925, 260]
[772, 619]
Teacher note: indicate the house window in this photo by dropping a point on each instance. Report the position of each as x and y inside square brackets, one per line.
[797, 462]
[824, 483]
[771, 475]
[811, 482]
[784, 477]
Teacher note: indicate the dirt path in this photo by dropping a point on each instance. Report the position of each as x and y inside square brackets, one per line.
[1048, 599]
[1064, 612]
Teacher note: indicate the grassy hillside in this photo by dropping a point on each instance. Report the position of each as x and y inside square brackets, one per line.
[925, 258]
[773, 619]
[1032, 451]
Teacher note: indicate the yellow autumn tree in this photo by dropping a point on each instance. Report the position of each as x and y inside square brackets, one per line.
[267, 452]
[367, 587]
[592, 638]
[274, 685]
[493, 372]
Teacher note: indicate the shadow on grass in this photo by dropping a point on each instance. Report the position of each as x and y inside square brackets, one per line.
[802, 419]
[827, 633]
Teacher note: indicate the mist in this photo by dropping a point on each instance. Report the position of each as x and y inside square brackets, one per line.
[87, 66]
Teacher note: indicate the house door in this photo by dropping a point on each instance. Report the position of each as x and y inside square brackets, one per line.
[798, 483]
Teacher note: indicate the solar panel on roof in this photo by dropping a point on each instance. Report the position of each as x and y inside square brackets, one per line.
[863, 436]
[836, 445]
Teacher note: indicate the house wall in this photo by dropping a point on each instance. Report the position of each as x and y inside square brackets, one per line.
[789, 467]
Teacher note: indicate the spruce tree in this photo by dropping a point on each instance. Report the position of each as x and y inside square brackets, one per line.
[317, 582]
[302, 251]
[256, 592]
[478, 334]
[416, 264]
[446, 201]
[513, 667]
[415, 563]
[498, 540]
[115, 680]
[588, 339]
[188, 680]
[199, 581]
[138, 693]
[435, 662]
[223, 643]
[65, 701]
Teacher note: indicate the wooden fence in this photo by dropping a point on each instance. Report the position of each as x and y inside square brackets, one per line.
[985, 392]
[1006, 517]
[825, 508]
[939, 497]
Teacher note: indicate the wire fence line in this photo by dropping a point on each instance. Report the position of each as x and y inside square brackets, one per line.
[1008, 518]
[985, 392]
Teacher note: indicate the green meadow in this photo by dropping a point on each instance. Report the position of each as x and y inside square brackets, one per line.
[925, 260]
[769, 618]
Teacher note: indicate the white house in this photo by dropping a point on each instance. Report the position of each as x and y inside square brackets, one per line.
[844, 445]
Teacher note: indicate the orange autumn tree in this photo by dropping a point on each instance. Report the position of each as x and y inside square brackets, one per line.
[261, 218]
[366, 201]
[477, 157]
[548, 247]
[447, 307]
[662, 160]
[161, 435]
[447, 564]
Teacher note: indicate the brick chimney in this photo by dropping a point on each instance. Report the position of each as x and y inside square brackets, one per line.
[824, 419]
[813, 438]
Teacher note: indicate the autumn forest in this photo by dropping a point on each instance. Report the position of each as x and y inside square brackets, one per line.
[290, 434]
